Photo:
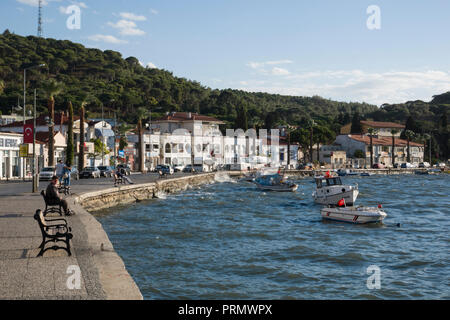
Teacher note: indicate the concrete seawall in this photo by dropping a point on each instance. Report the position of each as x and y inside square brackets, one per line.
[127, 194]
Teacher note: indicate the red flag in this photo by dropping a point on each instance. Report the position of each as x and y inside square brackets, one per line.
[341, 203]
[327, 174]
[28, 133]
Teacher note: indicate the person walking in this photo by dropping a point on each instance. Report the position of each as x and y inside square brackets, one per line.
[59, 171]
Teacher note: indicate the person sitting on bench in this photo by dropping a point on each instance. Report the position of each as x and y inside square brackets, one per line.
[54, 196]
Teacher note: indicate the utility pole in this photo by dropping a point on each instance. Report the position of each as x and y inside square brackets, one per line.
[115, 130]
[103, 137]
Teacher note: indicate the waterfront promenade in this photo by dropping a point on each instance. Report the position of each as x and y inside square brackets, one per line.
[24, 276]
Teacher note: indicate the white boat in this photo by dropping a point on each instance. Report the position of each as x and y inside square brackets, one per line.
[329, 190]
[358, 215]
[248, 177]
[366, 174]
[275, 182]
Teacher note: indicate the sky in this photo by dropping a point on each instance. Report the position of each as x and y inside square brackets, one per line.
[377, 51]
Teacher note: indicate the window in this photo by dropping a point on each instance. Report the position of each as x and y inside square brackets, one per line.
[168, 149]
[180, 148]
[155, 147]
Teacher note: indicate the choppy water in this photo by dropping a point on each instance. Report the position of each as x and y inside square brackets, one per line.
[228, 240]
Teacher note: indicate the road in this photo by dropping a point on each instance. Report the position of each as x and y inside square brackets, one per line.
[13, 188]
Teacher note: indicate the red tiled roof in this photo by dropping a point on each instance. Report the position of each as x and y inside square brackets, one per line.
[379, 124]
[187, 116]
[384, 141]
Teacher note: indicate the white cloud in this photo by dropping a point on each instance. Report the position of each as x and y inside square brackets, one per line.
[153, 11]
[358, 85]
[106, 38]
[151, 65]
[258, 65]
[33, 3]
[132, 16]
[280, 71]
[127, 28]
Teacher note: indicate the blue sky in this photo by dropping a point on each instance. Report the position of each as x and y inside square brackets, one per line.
[295, 47]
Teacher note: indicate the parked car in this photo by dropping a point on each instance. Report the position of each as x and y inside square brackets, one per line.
[74, 174]
[178, 168]
[89, 172]
[188, 168]
[125, 167]
[47, 173]
[378, 166]
[166, 169]
[106, 171]
[406, 165]
[396, 165]
[424, 165]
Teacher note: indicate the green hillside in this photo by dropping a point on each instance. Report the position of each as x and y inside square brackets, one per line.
[122, 85]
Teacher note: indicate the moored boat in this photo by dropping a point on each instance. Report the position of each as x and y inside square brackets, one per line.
[329, 190]
[275, 182]
[352, 214]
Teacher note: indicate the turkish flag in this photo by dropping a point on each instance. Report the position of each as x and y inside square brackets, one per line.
[28, 133]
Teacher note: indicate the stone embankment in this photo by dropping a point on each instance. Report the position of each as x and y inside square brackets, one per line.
[127, 194]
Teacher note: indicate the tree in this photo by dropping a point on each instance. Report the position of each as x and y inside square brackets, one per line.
[82, 142]
[99, 147]
[2, 86]
[301, 136]
[359, 154]
[371, 132]
[51, 88]
[241, 121]
[356, 127]
[409, 135]
[393, 133]
[70, 145]
[142, 114]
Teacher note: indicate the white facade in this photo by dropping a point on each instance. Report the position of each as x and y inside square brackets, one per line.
[11, 165]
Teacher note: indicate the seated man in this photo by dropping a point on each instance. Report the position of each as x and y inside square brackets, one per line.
[53, 195]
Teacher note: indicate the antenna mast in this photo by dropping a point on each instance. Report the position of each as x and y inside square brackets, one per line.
[39, 33]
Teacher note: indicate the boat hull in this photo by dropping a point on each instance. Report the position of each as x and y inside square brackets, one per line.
[349, 196]
[359, 215]
[278, 188]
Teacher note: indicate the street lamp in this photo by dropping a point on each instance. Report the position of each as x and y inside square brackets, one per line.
[24, 100]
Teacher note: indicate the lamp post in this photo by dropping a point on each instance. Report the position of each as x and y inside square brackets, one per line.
[35, 178]
[25, 99]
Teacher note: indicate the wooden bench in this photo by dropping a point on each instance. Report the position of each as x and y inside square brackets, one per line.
[50, 206]
[53, 230]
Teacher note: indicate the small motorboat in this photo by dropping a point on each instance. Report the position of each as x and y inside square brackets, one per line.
[275, 182]
[366, 174]
[248, 177]
[329, 190]
[352, 214]
[346, 172]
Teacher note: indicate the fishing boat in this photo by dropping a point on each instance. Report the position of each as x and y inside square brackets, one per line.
[366, 174]
[352, 214]
[346, 172]
[248, 177]
[329, 190]
[275, 182]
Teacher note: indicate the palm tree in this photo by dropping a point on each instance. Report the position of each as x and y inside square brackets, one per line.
[70, 147]
[311, 124]
[393, 133]
[81, 147]
[371, 132]
[52, 88]
[2, 86]
[426, 137]
[409, 135]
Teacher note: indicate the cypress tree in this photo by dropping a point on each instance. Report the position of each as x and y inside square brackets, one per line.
[70, 146]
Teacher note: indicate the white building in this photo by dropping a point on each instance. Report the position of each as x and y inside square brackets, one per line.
[11, 164]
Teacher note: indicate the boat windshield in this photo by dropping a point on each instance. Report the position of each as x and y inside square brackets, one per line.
[324, 182]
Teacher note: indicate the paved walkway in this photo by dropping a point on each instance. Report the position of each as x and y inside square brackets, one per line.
[24, 276]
